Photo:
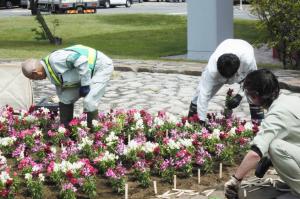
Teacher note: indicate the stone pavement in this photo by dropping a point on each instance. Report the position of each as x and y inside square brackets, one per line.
[160, 85]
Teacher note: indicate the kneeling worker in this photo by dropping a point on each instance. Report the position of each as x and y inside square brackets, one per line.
[76, 71]
[278, 138]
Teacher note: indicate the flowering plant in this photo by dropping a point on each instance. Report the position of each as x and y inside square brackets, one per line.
[116, 178]
[68, 191]
[142, 173]
[34, 184]
[9, 184]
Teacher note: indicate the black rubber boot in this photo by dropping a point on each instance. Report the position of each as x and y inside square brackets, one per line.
[90, 117]
[192, 110]
[66, 113]
[257, 113]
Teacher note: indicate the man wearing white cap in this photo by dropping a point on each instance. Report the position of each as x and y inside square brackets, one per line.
[76, 71]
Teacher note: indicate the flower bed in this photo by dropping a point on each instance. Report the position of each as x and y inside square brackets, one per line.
[38, 153]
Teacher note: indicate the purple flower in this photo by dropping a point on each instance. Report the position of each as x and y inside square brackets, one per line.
[219, 149]
[19, 152]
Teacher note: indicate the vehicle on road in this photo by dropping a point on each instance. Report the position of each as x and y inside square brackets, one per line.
[238, 1]
[114, 3]
[24, 3]
[9, 3]
[68, 6]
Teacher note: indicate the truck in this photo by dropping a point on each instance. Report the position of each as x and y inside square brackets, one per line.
[68, 6]
[9, 3]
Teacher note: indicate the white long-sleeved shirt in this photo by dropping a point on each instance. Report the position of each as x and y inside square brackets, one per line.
[211, 80]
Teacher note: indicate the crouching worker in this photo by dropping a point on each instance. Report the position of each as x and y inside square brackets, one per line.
[279, 135]
[77, 71]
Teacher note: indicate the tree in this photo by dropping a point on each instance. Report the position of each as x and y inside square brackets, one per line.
[39, 17]
[281, 18]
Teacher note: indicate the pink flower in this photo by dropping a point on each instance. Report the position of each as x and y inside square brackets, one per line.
[239, 129]
[50, 167]
[68, 186]
[74, 122]
[110, 173]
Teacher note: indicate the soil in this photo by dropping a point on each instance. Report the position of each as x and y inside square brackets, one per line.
[104, 190]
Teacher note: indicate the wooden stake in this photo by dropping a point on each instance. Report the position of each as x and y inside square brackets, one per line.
[128, 138]
[126, 191]
[167, 133]
[199, 176]
[221, 170]
[155, 187]
[245, 193]
[174, 181]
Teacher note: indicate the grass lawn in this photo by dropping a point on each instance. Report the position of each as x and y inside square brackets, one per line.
[137, 36]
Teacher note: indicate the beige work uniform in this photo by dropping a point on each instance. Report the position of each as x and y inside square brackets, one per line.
[279, 137]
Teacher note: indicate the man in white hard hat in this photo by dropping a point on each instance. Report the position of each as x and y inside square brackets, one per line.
[77, 71]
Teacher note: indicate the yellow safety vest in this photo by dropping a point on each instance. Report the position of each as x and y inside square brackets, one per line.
[90, 53]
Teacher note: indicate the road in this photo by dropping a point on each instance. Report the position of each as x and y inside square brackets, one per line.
[146, 7]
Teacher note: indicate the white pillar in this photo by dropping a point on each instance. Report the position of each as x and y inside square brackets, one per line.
[209, 23]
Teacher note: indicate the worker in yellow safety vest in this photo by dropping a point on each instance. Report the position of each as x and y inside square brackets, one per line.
[76, 71]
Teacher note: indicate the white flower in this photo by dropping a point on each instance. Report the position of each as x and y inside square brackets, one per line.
[133, 145]
[219, 116]
[83, 123]
[149, 147]
[187, 124]
[158, 121]
[45, 110]
[37, 132]
[85, 141]
[41, 177]
[173, 145]
[139, 124]
[56, 167]
[35, 168]
[7, 141]
[67, 166]
[28, 176]
[248, 126]
[109, 156]
[2, 119]
[4, 176]
[186, 142]
[3, 162]
[95, 123]
[53, 149]
[232, 131]
[111, 138]
[216, 133]
[137, 116]
[5, 114]
[61, 130]
[30, 118]
[171, 118]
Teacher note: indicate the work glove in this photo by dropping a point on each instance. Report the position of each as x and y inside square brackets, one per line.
[231, 188]
[234, 101]
[84, 90]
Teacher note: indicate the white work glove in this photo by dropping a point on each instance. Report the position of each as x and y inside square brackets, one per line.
[231, 188]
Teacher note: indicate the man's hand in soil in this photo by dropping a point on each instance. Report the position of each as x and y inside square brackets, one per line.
[231, 188]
